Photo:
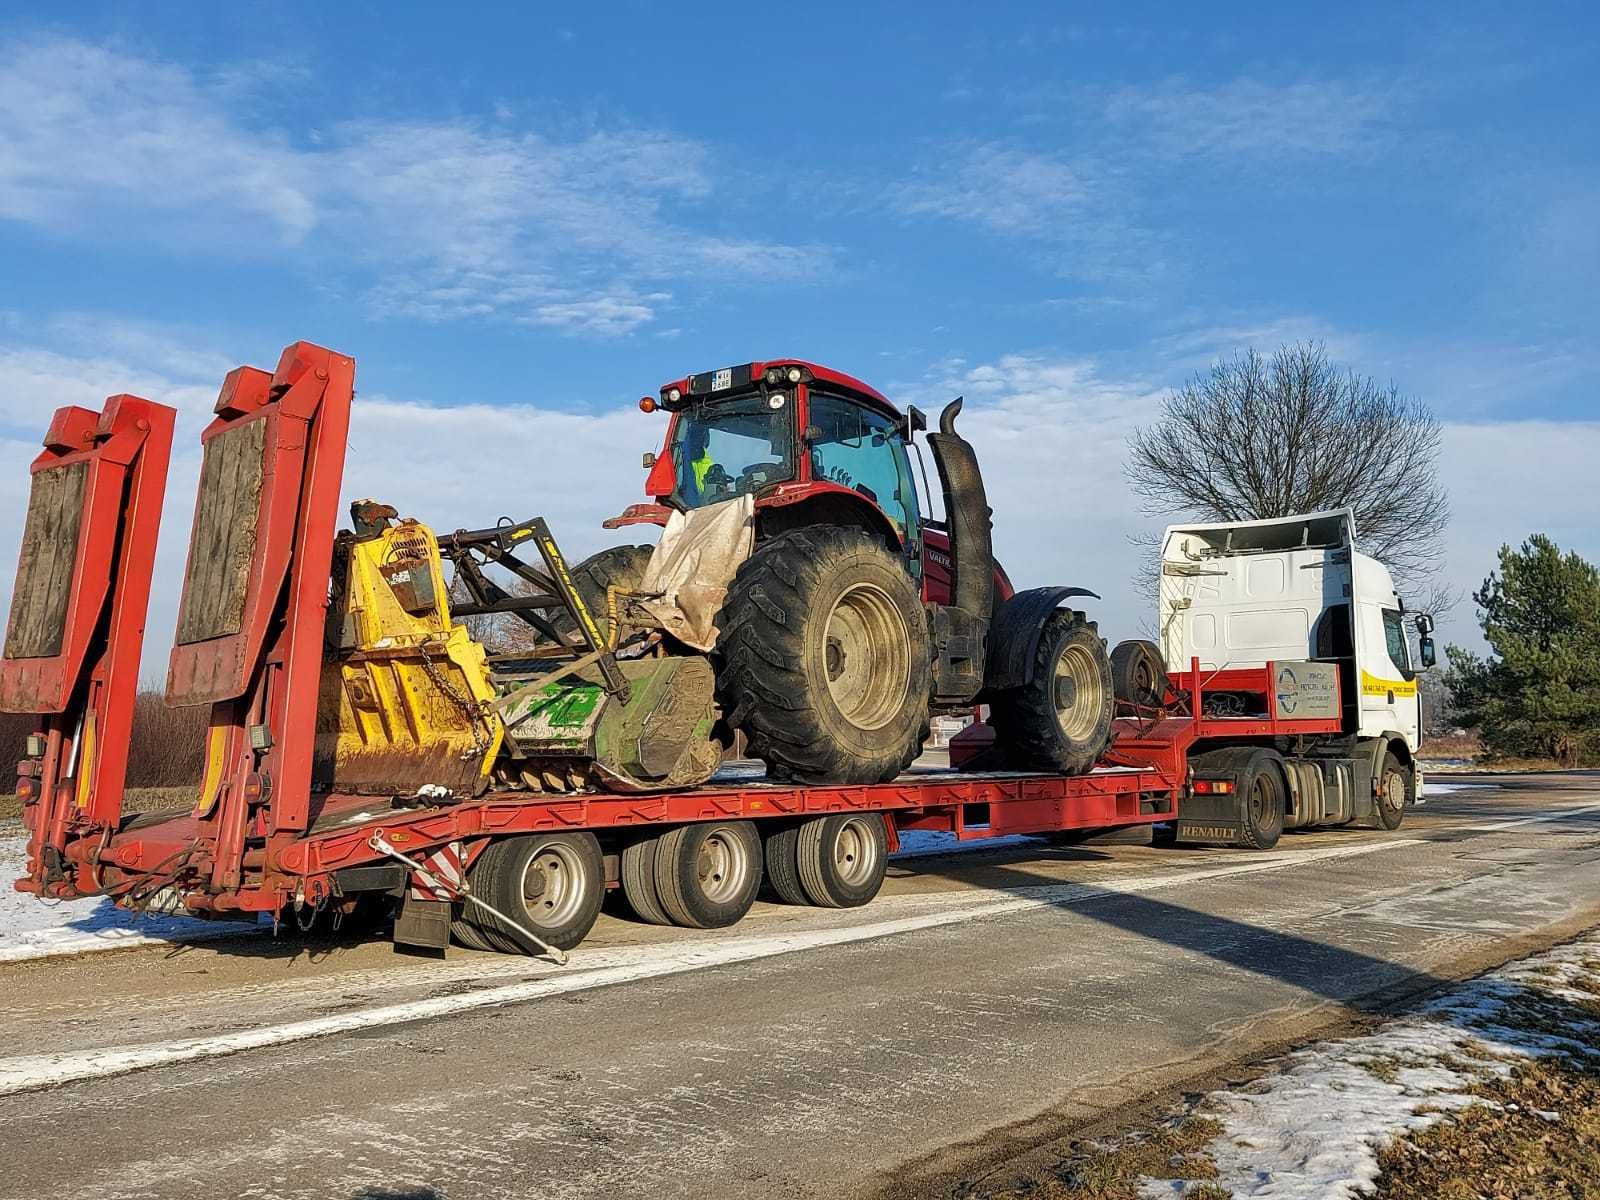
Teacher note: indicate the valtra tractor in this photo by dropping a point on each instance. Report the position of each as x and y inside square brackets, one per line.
[856, 617]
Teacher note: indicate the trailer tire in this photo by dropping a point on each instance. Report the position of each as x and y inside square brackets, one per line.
[707, 874]
[618, 566]
[467, 934]
[823, 658]
[842, 858]
[1060, 720]
[1138, 674]
[781, 849]
[639, 881]
[1263, 798]
[551, 882]
[1395, 784]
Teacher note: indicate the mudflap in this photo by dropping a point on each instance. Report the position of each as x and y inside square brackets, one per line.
[1209, 820]
[423, 923]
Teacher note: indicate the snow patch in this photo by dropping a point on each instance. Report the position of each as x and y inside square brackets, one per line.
[1313, 1128]
[1430, 788]
[35, 928]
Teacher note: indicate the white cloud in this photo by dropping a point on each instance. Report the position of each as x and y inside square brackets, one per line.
[1252, 117]
[436, 220]
[1071, 206]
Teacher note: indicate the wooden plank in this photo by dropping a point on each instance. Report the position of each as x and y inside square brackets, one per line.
[49, 557]
[224, 542]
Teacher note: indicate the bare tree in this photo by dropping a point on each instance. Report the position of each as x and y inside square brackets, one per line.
[1255, 438]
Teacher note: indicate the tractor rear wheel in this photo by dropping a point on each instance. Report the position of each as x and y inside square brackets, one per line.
[823, 658]
[620, 566]
[1060, 720]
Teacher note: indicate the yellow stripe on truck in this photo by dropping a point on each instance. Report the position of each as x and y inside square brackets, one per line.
[1371, 685]
[211, 781]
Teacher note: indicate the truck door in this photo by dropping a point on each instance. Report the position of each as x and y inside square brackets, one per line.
[1388, 678]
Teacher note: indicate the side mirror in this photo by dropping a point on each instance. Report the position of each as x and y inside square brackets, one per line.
[916, 421]
[649, 459]
[1429, 655]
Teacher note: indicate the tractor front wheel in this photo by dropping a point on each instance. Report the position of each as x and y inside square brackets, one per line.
[823, 658]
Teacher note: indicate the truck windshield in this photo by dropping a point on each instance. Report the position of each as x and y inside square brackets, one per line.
[731, 448]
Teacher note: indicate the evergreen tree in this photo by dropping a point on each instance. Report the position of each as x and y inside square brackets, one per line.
[1538, 693]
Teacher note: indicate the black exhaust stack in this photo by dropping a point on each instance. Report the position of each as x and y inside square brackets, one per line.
[961, 629]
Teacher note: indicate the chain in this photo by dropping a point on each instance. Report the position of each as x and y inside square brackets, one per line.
[474, 713]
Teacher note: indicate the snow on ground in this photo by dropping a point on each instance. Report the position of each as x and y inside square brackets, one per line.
[34, 928]
[1312, 1129]
[1430, 788]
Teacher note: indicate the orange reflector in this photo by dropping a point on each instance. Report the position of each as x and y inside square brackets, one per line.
[1213, 787]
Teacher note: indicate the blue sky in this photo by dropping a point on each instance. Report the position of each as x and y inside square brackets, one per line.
[519, 222]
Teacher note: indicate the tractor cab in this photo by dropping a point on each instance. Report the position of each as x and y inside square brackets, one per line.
[811, 445]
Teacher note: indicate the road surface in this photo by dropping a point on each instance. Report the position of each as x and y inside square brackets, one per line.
[985, 1003]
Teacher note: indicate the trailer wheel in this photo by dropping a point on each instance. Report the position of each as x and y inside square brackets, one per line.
[1394, 792]
[552, 883]
[823, 658]
[639, 881]
[707, 875]
[1262, 800]
[468, 934]
[842, 858]
[1060, 720]
[781, 849]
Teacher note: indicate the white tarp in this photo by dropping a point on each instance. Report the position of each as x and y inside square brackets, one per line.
[693, 565]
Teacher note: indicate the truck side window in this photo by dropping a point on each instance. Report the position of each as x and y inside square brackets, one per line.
[1394, 637]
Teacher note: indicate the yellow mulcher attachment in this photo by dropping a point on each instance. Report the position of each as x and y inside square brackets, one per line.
[411, 702]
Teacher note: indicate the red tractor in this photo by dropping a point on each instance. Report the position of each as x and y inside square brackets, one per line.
[858, 615]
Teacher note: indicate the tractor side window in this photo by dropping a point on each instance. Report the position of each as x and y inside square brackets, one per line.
[860, 449]
[1394, 638]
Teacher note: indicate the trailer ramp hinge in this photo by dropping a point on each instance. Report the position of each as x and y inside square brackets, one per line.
[381, 844]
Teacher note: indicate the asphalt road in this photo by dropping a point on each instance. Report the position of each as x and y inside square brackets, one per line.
[983, 1004]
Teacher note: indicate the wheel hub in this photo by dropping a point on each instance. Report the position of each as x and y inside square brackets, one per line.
[866, 656]
[1077, 680]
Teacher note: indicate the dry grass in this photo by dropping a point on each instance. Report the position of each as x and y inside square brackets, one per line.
[1095, 1171]
[1537, 1137]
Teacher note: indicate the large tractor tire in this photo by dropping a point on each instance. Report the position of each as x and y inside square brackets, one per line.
[620, 566]
[823, 658]
[1060, 720]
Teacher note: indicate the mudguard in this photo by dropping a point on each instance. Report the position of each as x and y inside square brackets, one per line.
[1014, 634]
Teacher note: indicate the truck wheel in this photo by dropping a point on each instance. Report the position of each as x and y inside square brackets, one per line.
[823, 658]
[1138, 674]
[707, 875]
[468, 934]
[1262, 799]
[639, 881]
[552, 883]
[1394, 792]
[781, 850]
[842, 858]
[1060, 720]
[619, 566]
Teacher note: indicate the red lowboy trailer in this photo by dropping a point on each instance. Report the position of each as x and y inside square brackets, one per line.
[263, 837]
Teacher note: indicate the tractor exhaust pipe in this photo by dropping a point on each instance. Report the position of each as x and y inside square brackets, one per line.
[964, 626]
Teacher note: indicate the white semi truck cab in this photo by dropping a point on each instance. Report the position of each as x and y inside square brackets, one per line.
[1295, 593]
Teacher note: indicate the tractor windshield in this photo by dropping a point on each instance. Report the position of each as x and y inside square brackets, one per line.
[730, 448]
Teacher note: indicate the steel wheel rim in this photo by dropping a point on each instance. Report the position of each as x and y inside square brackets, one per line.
[1260, 801]
[866, 656]
[722, 866]
[1079, 718]
[1394, 790]
[855, 853]
[552, 885]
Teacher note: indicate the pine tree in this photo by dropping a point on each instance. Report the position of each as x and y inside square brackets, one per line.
[1538, 693]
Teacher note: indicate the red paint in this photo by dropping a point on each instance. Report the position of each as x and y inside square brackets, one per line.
[91, 684]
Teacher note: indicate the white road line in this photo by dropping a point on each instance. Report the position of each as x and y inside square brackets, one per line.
[1552, 814]
[30, 1072]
